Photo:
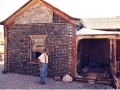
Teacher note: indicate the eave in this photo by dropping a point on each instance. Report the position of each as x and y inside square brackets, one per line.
[10, 20]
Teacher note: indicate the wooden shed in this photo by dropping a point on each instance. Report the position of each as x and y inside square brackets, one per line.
[35, 26]
[98, 50]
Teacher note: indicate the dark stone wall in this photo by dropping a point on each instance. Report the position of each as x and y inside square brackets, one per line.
[58, 37]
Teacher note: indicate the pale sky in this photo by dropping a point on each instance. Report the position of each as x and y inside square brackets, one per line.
[74, 8]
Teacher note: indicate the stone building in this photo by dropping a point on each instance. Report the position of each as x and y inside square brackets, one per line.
[83, 53]
[35, 26]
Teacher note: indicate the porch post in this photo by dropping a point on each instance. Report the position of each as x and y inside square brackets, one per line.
[114, 64]
[114, 56]
[73, 51]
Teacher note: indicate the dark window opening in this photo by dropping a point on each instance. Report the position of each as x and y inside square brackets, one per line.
[35, 56]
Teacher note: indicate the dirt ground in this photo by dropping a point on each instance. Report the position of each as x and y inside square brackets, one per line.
[18, 81]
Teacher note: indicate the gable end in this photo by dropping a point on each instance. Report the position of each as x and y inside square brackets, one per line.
[36, 14]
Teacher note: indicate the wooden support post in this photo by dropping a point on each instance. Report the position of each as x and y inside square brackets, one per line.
[74, 55]
[76, 60]
[114, 56]
[113, 64]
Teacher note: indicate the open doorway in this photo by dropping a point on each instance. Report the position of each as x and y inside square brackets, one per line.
[93, 58]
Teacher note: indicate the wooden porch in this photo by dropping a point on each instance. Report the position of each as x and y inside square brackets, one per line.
[113, 65]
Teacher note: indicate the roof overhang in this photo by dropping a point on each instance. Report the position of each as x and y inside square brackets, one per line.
[10, 20]
[88, 31]
[106, 28]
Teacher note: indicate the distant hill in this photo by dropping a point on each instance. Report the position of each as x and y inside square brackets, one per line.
[1, 36]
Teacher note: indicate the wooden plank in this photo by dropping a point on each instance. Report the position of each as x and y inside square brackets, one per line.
[113, 61]
[95, 36]
[10, 23]
[115, 81]
[113, 64]
[114, 56]
[74, 55]
[91, 76]
[117, 37]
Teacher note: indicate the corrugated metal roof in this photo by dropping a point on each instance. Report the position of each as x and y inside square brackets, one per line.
[102, 23]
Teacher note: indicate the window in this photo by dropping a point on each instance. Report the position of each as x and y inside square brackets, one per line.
[37, 46]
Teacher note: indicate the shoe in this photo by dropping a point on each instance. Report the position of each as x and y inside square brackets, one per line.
[42, 83]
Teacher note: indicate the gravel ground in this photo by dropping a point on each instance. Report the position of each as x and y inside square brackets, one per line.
[18, 81]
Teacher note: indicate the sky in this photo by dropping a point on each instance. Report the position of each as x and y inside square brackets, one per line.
[74, 8]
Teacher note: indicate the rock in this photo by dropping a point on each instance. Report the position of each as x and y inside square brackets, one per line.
[57, 78]
[67, 78]
[91, 81]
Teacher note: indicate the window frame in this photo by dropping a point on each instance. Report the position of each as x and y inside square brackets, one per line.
[39, 40]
